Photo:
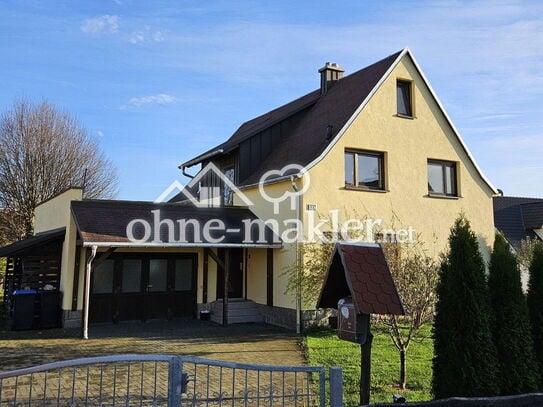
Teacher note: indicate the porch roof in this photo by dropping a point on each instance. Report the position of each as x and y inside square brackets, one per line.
[107, 224]
[33, 242]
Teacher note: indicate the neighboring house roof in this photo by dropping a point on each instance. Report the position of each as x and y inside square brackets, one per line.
[33, 242]
[324, 118]
[517, 217]
[104, 223]
[361, 271]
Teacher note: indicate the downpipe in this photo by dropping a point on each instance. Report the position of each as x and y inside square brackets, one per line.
[298, 260]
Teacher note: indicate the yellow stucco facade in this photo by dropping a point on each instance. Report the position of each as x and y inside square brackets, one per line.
[407, 145]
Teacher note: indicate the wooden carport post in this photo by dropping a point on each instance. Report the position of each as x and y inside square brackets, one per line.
[226, 274]
[222, 265]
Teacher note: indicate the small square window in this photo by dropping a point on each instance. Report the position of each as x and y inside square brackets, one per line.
[404, 98]
[365, 170]
[442, 179]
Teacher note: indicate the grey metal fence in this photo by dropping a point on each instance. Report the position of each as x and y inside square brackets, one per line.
[163, 380]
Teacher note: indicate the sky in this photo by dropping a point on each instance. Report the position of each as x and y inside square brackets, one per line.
[158, 82]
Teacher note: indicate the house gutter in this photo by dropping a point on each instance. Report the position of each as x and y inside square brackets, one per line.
[191, 245]
[94, 248]
[199, 159]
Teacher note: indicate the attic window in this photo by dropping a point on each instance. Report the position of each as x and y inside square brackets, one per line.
[404, 98]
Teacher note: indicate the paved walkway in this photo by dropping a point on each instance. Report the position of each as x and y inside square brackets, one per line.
[245, 343]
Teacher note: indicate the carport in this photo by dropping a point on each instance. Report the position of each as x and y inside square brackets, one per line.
[145, 261]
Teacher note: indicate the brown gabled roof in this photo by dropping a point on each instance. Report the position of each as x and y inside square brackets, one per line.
[104, 223]
[361, 271]
[310, 137]
[322, 118]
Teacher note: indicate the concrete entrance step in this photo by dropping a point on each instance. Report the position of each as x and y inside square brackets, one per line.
[239, 312]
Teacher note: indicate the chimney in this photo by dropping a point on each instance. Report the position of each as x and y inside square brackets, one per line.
[330, 74]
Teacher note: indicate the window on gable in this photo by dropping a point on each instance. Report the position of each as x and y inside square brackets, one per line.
[364, 170]
[442, 178]
[404, 98]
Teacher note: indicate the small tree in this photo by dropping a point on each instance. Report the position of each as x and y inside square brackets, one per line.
[535, 306]
[415, 275]
[44, 151]
[306, 278]
[464, 361]
[510, 323]
[525, 251]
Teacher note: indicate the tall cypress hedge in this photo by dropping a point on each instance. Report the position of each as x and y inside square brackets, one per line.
[535, 305]
[510, 324]
[464, 361]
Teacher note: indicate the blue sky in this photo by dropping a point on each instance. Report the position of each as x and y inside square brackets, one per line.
[157, 82]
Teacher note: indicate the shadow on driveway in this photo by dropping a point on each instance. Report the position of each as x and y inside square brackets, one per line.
[244, 343]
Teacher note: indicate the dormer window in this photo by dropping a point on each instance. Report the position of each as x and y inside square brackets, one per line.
[404, 98]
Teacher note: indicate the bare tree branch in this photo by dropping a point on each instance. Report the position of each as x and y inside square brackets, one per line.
[44, 151]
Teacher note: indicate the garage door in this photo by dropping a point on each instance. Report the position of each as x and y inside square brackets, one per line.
[128, 287]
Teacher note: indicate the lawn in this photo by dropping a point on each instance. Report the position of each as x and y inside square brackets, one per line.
[325, 349]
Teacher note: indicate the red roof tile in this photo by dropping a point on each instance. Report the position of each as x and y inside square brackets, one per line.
[361, 270]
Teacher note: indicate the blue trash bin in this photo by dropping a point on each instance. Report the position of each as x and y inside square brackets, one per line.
[23, 309]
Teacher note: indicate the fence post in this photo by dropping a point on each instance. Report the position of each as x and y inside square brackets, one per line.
[336, 387]
[175, 371]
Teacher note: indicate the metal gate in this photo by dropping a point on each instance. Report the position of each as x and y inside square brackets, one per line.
[164, 380]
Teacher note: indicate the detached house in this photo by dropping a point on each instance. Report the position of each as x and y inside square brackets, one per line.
[374, 145]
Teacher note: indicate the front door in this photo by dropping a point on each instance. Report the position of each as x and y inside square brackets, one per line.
[235, 281]
[142, 287]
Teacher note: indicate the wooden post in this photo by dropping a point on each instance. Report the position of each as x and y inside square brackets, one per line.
[205, 273]
[226, 275]
[365, 368]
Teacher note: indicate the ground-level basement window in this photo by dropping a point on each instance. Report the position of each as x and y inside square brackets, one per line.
[442, 178]
[364, 170]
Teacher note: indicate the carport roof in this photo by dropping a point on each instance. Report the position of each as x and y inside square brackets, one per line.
[37, 240]
[105, 223]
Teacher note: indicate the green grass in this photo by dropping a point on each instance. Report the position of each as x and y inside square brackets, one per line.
[325, 349]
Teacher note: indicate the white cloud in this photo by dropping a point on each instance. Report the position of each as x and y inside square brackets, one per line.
[97, 25]
[147, 35]
[99, 133]
[159, 99]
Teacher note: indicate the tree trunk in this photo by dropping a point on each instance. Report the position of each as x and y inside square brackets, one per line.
[403, 384]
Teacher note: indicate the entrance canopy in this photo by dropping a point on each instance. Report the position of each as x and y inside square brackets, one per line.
[360, 270]
[146, 224]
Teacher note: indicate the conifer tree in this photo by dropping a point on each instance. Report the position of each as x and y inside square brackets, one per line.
[464, 356]
[535, 305]
[510, 323]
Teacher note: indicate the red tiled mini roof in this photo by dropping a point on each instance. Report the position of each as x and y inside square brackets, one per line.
[361, 271]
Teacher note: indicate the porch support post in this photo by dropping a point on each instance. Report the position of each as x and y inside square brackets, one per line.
[225, 292]
[205, 273]
[87, 292]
